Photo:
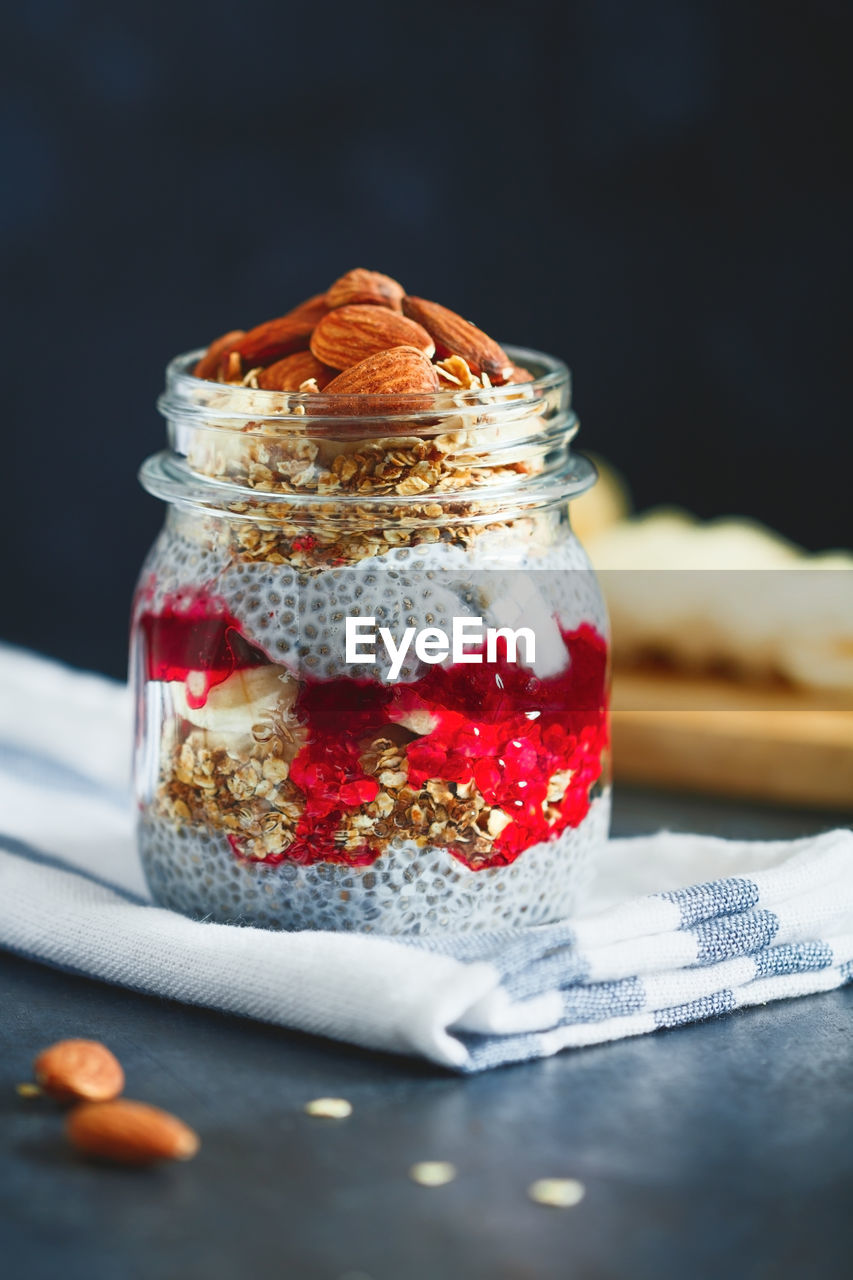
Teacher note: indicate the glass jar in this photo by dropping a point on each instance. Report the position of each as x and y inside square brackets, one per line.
[370, 658]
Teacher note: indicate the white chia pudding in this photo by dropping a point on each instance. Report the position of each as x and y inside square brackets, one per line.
[406, 890]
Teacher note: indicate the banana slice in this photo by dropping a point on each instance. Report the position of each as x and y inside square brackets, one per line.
[233, 707]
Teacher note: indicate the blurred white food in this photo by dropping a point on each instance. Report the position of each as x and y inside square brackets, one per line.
[726, 592]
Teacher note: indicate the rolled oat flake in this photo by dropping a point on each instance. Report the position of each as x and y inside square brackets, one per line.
[557, 1193]
[432, 1173]
[329, 1108]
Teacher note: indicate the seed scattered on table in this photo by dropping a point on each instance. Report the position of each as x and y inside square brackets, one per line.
[558, 1193]
[432, 1173]
[329, 1108]
[28, 1090]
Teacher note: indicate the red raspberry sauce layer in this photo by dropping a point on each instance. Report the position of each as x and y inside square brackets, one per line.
[195, 633]
[495, 724]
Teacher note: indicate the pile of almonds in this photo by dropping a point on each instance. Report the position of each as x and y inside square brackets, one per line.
[364, 336]
[101, 1123]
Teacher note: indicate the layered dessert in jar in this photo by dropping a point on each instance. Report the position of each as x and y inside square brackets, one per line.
[370, 657]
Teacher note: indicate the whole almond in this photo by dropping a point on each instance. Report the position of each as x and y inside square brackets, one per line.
[208, 365]
[365, 286]
[290, 373]
[520, 374]
[350, 334]
[312, 309]
[279, 337]
[393, 377]
[400, 369]
[273, 339]
[454, 336]
[79, 1069]
[130, 1132]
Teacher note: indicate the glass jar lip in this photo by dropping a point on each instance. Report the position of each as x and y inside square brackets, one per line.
[167, 477]
[184, 392]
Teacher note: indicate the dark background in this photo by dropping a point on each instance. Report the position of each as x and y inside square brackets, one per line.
[659, 192]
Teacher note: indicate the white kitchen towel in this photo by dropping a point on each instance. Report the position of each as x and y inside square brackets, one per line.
[675, 928]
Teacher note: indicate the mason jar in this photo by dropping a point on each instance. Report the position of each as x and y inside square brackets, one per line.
[370, 658]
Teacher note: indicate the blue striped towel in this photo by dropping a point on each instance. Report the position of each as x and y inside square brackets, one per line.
[675, 929]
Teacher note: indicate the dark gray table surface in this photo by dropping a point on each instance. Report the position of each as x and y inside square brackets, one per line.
[723, 1150]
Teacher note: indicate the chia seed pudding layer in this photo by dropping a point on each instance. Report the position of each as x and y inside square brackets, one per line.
[406, 890]
[290, 613]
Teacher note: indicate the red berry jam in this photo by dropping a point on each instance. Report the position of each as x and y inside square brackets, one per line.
[531, 747]
[194, 633]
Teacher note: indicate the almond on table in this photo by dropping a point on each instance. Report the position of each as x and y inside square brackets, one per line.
[130, 1133]
[79, 1069]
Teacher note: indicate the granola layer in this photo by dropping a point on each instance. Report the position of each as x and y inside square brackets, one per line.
[457, 448]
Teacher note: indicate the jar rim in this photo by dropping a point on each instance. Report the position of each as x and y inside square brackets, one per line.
[168, 478]
[213, 428]
[186, 394]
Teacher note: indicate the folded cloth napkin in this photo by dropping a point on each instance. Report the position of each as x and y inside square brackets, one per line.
[675, 928]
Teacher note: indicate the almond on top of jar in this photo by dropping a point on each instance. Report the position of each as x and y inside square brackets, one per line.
[362, 350]
[345, 324]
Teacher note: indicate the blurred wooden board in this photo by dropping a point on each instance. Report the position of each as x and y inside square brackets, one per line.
[715, 735]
